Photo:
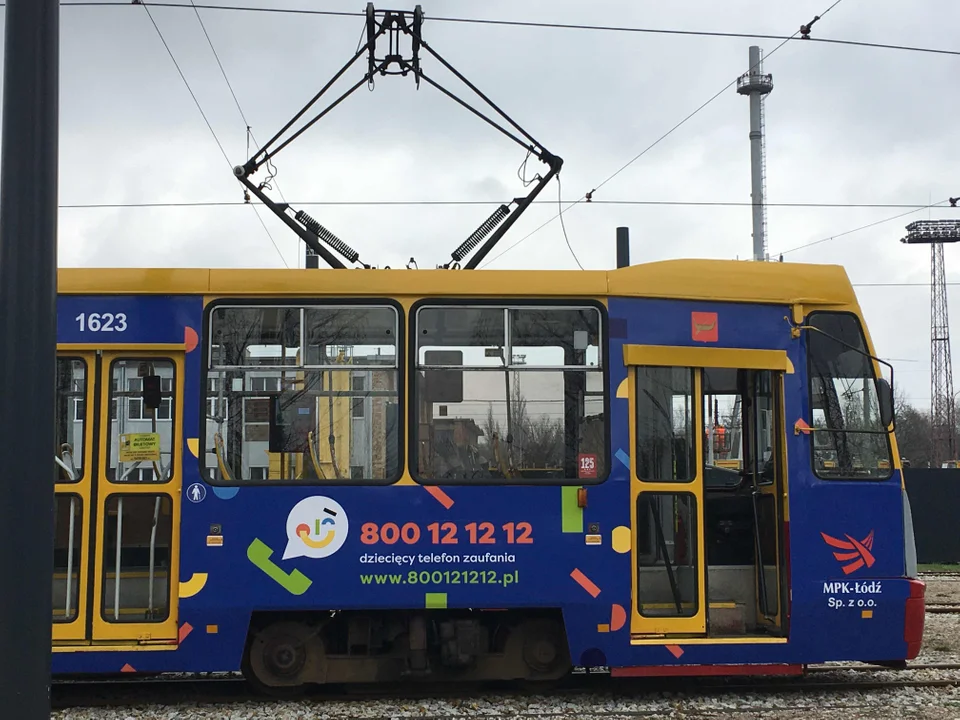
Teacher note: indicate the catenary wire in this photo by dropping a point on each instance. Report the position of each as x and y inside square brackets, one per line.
[651, 145]
[187, 84]
[346, 203]
[858, 229]
[226, 79]
[246, 123]
[207, 121]
[566, 238]
[535, 25]
[223, 72]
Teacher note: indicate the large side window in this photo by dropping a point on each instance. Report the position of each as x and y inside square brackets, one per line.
[509, 394]
[849, 439]
[303, 394]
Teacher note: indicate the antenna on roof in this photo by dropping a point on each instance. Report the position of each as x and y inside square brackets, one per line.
[395, 24]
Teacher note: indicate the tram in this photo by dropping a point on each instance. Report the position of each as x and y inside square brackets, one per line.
[336, 476]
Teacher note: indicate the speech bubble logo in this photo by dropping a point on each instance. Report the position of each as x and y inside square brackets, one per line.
[316, 528]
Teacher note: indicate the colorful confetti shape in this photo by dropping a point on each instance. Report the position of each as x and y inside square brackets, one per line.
[585, 582]
[225, 493]
[440, 496]
[621, 539]
[184, 631]
[192, 586]
[190, 339]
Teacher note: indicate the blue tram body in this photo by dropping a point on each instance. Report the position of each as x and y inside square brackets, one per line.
[840, 575]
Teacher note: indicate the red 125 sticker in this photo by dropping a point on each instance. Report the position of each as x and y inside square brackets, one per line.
[586, 466]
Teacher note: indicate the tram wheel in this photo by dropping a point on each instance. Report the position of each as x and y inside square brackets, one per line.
[544, 650]
[281, 658]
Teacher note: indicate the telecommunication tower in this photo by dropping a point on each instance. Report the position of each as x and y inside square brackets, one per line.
[757, 86]
[942, 411]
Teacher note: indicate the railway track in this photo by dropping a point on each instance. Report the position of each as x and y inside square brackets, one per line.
[943, 608]
[946, 575]
[232, 690]
[879, 668]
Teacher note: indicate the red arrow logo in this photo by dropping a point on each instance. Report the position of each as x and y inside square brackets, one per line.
[858, 553]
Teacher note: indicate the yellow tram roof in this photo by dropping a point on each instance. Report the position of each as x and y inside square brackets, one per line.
[719, 280]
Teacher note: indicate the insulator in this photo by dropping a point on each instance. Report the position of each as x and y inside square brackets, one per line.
[481, 232]
[328, 237]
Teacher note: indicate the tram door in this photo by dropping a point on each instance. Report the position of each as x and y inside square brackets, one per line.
[117, 511]
[676, 591]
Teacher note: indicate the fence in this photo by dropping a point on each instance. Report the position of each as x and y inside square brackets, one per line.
[935, 502]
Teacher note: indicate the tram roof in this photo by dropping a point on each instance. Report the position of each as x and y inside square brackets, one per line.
[716, 280]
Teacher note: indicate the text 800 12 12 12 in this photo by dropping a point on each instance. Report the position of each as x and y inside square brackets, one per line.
[448, 533]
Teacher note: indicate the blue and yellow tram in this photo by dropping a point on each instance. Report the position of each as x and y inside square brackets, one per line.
[323, 476]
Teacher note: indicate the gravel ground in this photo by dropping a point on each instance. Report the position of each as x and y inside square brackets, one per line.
[941, 645]
[941, 635]
[942, 589]
[930, 704]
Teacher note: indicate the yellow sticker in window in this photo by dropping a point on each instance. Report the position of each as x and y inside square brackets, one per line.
[140, 447]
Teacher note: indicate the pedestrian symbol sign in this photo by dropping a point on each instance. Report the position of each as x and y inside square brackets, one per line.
[196, 493]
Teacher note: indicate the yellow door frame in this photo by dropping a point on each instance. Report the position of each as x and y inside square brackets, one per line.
[695, 624]
[696, 358]
[164, 631]
[75, 630]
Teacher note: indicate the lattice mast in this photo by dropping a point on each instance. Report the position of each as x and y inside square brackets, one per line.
[942, 414]
[755, 84]
[942, 410]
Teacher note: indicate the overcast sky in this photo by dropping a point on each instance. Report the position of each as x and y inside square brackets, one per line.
[844, 125]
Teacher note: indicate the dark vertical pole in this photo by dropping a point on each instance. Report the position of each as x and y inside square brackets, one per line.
[28, 327]
[623, 247]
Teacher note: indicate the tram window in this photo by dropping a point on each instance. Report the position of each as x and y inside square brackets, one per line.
[849, 439]
[306, 394]
[723, 441]
[666, 439]
[136, 558]
[140, 439]
[667, 574]
[726, 394]
[509, 395]
[71, 394]
[68, 519]
[261, 336]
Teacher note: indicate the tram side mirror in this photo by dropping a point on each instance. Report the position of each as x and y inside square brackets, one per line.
[151, 394]
[885, 397]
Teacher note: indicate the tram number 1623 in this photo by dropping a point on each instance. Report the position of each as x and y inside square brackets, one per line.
[102, 322]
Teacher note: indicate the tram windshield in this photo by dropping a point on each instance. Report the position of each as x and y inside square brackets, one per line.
[850, 439]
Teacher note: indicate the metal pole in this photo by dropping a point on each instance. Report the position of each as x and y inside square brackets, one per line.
[756, 160]
[623, 247]
[28, 286]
